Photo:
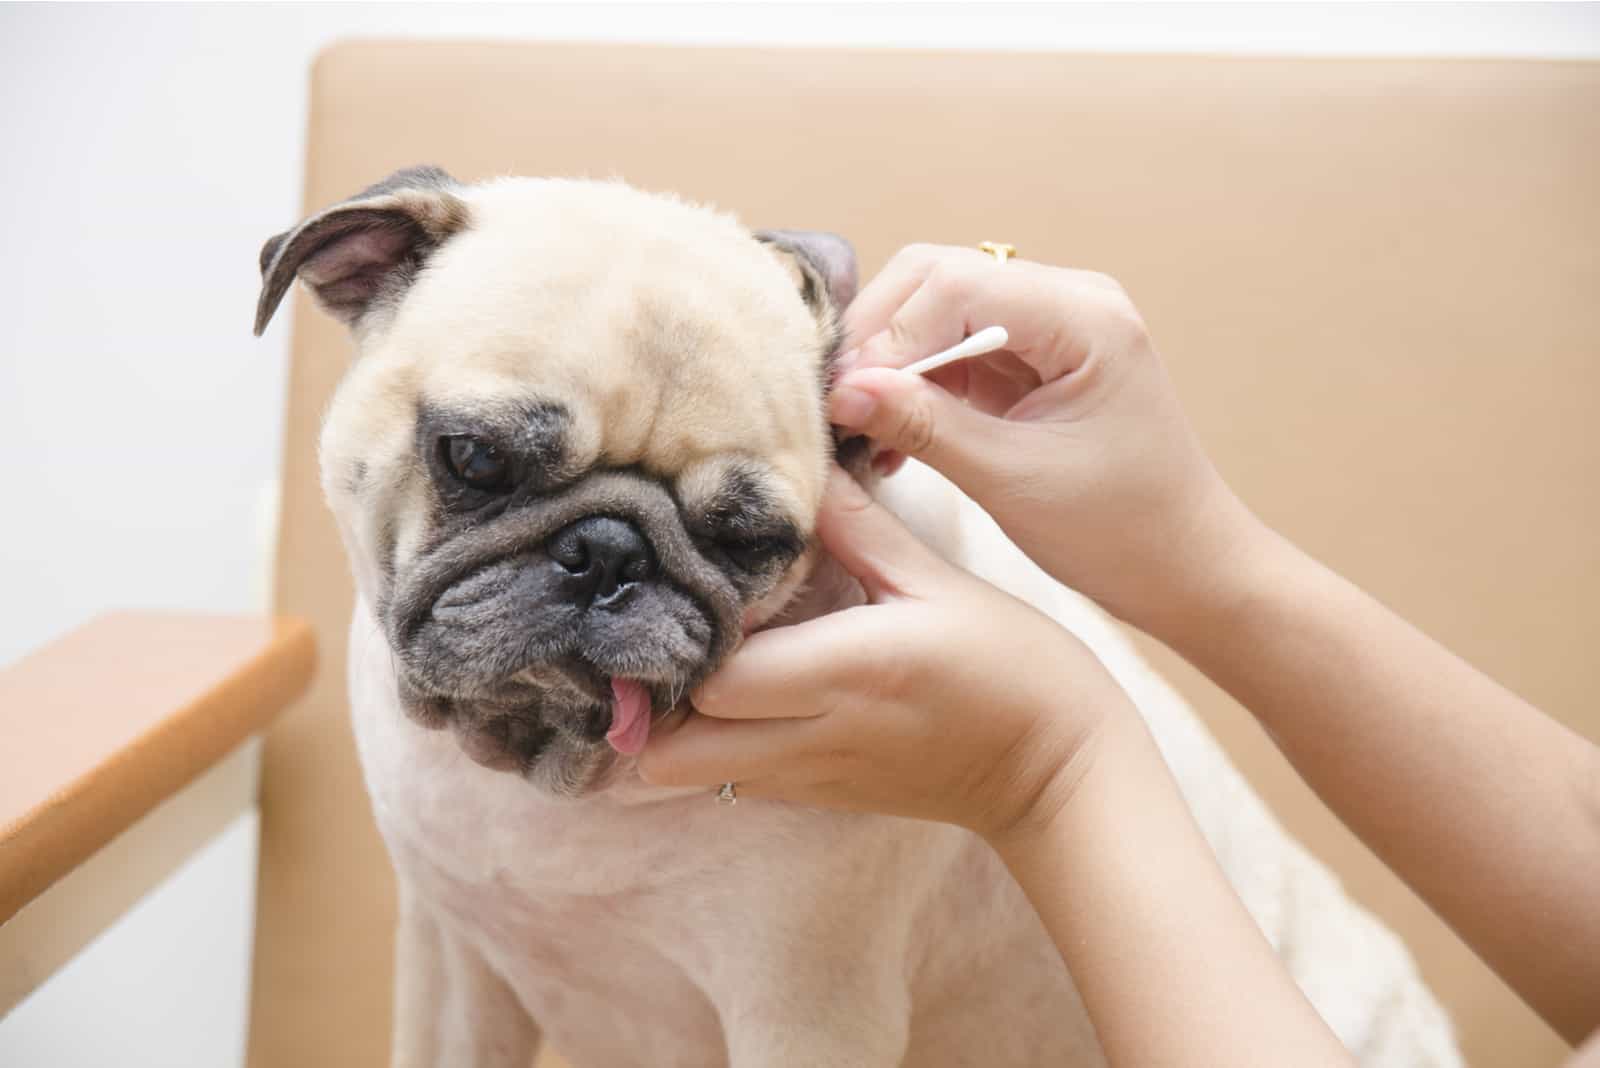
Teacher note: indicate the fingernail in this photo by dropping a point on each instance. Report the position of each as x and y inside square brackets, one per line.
[852, 407]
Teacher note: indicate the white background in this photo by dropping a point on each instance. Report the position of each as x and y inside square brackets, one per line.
[149, 150]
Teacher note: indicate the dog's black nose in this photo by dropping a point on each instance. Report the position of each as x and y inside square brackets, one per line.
[603, 557]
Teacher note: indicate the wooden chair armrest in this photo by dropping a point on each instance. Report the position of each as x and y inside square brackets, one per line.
[99, 727]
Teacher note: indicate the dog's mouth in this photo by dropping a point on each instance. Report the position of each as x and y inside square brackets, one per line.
[631, 714]
[562, 717]
[621, 709]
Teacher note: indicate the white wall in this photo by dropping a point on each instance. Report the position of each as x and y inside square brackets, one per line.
[149, 151]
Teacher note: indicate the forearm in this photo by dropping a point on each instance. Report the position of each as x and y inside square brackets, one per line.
[1171, 967]
[1487, 807]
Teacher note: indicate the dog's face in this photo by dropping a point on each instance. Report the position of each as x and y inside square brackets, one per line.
[581, 449]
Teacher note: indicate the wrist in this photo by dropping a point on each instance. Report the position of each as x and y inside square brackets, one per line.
[1116, 747]
[1224, 560]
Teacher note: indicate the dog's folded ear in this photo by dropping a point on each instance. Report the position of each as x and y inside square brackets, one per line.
[367, 250]
[825, 266]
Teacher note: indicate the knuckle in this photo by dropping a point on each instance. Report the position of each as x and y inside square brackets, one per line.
[918, 253]
[1119, 318]
[1107, 282]
[901, 332]
[914, 427]
[938, 280]
[1125, 318]
[1069, 287]
[950, 276]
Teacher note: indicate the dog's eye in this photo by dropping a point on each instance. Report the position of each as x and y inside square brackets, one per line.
[749, 555]
[476, 463]
[758, 552]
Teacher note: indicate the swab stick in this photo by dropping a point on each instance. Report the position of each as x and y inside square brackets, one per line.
[986, 340]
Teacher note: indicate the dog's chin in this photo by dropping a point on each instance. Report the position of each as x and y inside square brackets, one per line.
[546, 725]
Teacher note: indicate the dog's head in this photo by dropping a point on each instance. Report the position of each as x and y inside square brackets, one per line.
[581, 449]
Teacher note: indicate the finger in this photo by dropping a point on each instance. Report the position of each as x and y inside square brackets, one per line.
[930, 319]
[869, 313]
[872, 544]
[789, 672]
[1053, 315]
[955, 378]
[969, 380]
[993, 383]
[706, 751]
[877, 302]
[904, 413]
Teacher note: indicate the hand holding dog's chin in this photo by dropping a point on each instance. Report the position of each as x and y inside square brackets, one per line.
[943, 698]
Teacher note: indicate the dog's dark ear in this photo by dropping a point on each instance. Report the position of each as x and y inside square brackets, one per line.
[824, 265]
[366, 250]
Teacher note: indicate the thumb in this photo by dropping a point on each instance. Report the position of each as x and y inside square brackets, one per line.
[871, 543]
[908, 414]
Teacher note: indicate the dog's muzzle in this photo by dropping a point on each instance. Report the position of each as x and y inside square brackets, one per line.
[560, 624]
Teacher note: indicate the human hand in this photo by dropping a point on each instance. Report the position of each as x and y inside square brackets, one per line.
[942, 698]
[1072, 437]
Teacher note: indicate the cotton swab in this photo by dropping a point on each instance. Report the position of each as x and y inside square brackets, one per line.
[986, 340]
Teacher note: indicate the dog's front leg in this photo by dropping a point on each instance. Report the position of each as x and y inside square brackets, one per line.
[450, 1009]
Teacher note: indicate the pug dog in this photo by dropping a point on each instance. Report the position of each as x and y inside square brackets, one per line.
[577, 458]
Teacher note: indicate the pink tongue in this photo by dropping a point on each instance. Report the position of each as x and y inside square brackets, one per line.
[630, 716]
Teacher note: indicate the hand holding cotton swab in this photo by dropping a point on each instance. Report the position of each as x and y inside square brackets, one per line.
[984, 341]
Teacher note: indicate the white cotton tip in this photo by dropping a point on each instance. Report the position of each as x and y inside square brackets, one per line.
[986, 340]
